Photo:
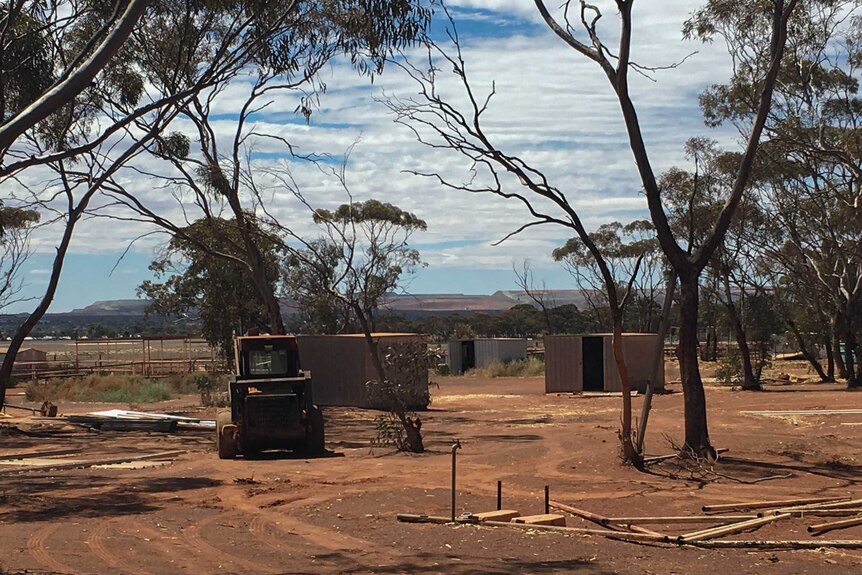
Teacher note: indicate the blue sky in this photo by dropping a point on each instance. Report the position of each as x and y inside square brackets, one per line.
[552, 107]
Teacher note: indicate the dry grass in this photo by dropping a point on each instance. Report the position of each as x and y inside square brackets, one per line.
[530, 367]
[100, 388]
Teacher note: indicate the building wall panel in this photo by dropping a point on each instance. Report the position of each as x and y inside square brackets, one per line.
[564, 362]
[341, 366]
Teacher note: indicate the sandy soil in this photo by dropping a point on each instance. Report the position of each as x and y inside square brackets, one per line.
[283, 514]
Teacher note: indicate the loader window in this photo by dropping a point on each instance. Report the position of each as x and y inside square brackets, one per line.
[273, 362]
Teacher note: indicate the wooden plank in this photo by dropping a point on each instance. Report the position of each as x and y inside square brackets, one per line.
[807, 412]
[770, 504]
[43, 453]
[753, 544]
[620, 535]
[832, 526]
[543, 519]
[588, 515]
[732, 528]
[673, 519]
[823, 512]
[498, 515]
[823, 506]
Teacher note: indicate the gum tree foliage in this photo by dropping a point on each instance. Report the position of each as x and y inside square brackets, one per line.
[117, 75]
[212, 283]
[622, 247]
[15, 227]
[362, 253]
[811, 163]
[440, 123]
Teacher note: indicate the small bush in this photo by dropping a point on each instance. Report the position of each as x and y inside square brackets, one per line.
[39, 391]
[203, 382]
[729, 370]
[530, 367]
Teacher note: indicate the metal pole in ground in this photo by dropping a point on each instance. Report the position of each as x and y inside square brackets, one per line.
[499, 495]
[547, 500]
[455, 446]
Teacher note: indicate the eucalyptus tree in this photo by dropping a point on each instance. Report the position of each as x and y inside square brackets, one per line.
[362, 254]
[632, 255]
[118, 75]
[212, 284]
[441, 123]
[812, 162]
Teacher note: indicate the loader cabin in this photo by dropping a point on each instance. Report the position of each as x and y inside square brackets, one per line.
[266, 357]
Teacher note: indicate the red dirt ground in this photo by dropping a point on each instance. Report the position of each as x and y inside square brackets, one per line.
[336, 514]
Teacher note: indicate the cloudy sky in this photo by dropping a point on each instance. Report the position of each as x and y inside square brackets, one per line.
[552, 107]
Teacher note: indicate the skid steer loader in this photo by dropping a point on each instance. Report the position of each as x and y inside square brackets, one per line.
[271, 404]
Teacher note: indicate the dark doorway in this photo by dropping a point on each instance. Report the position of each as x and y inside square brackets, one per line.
[593, 349]
[468, 355]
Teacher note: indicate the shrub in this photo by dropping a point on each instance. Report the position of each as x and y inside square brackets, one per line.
[205, 383]
[729, 370]
[530, 367]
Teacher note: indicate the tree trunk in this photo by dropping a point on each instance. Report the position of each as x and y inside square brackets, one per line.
[696, 432]
[704, 352]
[630, 455]
[830, 359]
[836, 346]
[806, 352]
[261, 283]
[853, 379]
[749, 381]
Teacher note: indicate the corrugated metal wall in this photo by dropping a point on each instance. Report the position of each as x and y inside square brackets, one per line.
[503, 350]
[487, 351]
[453, 358]
[341, 366]
[564, 362]
[563, 365]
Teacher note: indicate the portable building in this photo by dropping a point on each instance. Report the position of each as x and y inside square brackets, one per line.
[466, 354]
[585, 362]
[341, 367]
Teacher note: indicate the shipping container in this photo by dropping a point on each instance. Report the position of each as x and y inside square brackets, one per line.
[341, 367]
[585, 362]
[467, 354]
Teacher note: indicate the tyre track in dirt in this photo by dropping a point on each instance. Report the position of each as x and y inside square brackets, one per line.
[96, 543]
[36, 549]
[192, 535]
[363, 552]
[173, 554]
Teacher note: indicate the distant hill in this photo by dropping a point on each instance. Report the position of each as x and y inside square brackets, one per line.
[112, 308]
[447, 303]
[410, 305]
[407, 304]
